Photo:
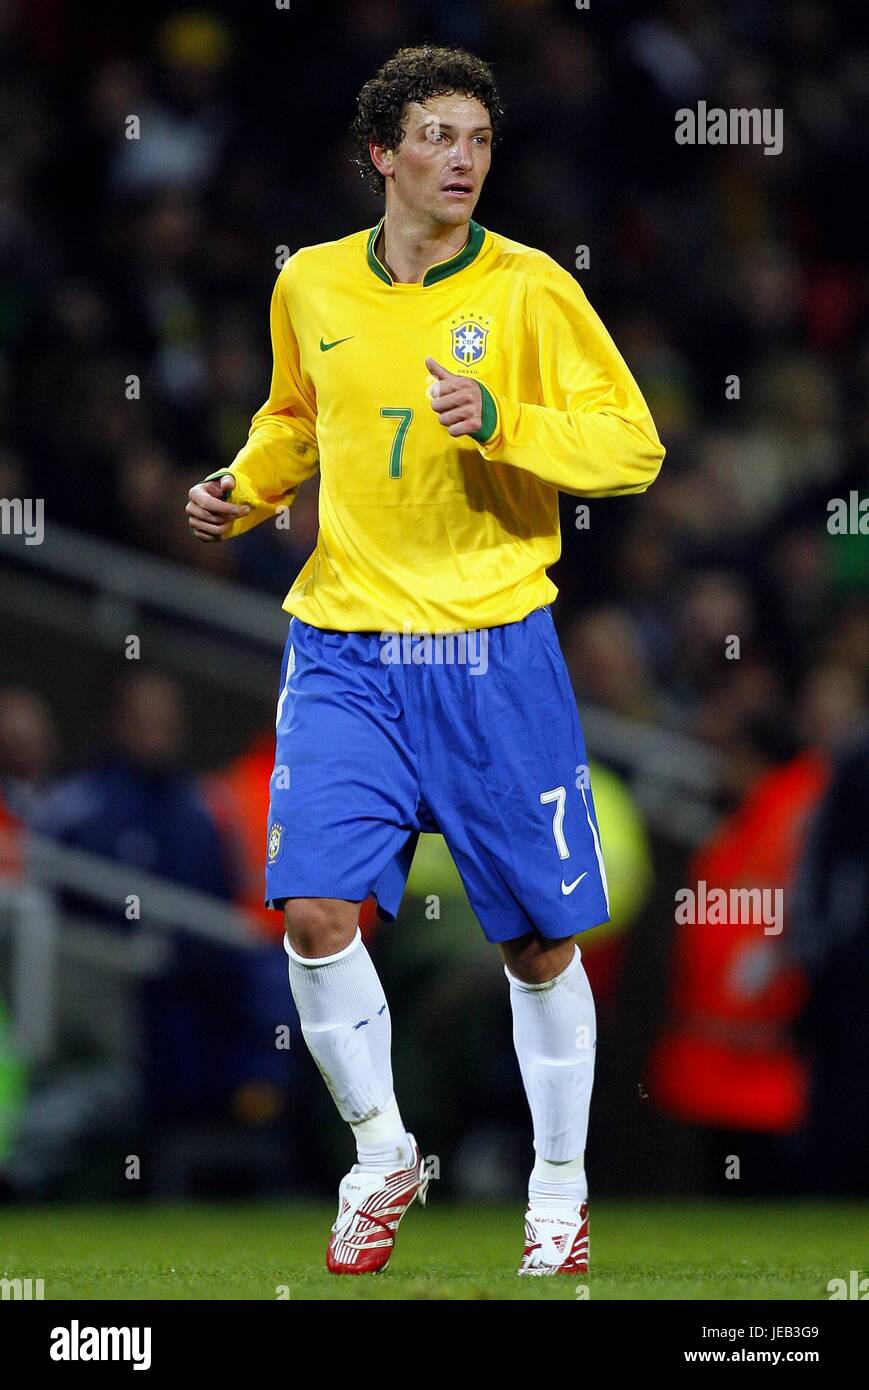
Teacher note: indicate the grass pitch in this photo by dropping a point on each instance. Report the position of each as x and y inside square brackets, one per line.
[640, 1250]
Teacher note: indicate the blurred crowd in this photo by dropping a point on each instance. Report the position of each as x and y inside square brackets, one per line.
[135, 276]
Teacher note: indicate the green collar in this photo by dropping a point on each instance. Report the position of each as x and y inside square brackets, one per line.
[441, 269]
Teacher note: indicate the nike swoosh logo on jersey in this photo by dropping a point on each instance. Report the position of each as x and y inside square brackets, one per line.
[326, 347]
[567, 888]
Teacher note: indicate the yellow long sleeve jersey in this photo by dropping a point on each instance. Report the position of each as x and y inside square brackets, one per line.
[420, 531]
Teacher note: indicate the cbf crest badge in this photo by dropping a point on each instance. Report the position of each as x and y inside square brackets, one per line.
[276, 839]
[469, 339]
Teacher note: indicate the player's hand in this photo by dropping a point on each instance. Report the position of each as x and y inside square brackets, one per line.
[209, 516]
[457, 400]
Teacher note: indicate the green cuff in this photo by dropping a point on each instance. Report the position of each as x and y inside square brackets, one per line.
[490, 416]
[221, 472]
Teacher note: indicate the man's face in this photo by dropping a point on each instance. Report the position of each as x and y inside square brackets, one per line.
[439, 168]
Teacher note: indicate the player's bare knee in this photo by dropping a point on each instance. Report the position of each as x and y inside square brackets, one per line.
[534, 960]
[319, 926]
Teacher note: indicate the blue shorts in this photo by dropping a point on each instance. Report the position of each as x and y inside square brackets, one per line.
[474, 735]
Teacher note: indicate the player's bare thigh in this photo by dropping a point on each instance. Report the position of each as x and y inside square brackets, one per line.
[320, 926]
[533, 959]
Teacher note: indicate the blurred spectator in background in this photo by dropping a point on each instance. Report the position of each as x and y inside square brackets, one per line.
[829, 939]
[11, 859]
[185, 119]
[28, 750]
[238, 796]
[239, 799]
[136, 803]
[728, 1056]
[608, 664]
[208, 1022]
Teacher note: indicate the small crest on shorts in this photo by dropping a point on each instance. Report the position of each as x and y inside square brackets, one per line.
[276, 839]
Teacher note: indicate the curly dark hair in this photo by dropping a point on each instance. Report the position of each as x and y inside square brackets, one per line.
[415, 74]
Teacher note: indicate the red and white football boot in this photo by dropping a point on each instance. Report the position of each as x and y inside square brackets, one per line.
[555, 1243]
[370, 1206]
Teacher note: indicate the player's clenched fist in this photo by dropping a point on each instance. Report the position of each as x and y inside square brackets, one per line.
[458, 401]
[209, 516]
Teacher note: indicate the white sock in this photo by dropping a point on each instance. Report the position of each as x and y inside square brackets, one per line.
[556, 1185]
[346, 1025]
[382, 1144]
[554, 1033]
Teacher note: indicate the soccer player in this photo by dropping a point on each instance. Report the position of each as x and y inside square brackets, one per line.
[447, 382]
